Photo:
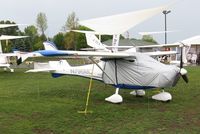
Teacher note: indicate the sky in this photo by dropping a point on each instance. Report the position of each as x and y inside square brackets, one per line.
[184, 18]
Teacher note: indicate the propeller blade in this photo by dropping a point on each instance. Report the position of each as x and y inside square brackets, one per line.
[185, 78]
[181, 58]
[183, 72]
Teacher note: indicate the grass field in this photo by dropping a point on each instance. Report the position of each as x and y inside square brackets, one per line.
[39, 104]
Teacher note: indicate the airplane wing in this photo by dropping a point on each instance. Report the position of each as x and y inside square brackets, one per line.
[68, 54]
[9, 25]
[86, 54]
[159, 53]
[195, 40]
[4, 65]
[82, 53]
[161, 45]
[8, 37]
[8, 54]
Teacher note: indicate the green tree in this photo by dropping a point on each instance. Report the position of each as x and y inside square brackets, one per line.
[80, 38]
[58, 39]
[148, 38]
[70, 38]
[35, 41]
[32, 32]
[71, 23]
[38, 45]
[41, 22]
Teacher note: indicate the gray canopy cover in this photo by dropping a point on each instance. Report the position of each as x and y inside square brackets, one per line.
[140, 70]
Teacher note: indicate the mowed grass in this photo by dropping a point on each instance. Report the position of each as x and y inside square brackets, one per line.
[38, 104]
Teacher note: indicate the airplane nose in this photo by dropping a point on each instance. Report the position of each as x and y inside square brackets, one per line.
[183, 71]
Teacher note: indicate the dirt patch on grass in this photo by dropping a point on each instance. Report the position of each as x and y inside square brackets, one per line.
[36, 115]
[18, 117]
[43, 131]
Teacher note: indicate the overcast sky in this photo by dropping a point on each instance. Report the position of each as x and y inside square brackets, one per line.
[184, 18]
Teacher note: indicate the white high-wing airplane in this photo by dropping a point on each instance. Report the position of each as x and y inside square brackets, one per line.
[120, 69]
[4, 57]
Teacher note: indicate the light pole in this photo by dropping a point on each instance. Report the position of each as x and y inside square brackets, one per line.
[165, 12]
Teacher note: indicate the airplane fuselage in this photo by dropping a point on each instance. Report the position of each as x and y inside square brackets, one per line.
[140, 72]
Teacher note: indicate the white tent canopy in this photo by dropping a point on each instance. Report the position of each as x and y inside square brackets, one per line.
[193, 40]
[118, 24]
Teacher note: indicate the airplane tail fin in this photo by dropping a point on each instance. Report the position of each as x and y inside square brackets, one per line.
[49, 45]
[92, 40]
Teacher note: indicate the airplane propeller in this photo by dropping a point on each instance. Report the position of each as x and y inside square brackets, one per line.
[183, 72]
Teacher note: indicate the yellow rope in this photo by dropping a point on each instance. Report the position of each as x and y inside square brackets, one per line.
[88, 94]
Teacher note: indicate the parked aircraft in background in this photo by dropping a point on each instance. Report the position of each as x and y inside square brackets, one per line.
[195, 40]
[5, 57]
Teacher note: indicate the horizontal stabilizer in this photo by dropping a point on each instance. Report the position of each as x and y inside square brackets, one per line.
[50, 66]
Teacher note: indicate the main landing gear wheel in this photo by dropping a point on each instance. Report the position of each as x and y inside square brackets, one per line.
[163, 96]
[139, 93]
[12, 70]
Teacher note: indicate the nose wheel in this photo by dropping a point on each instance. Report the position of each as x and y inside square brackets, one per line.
[115, 98]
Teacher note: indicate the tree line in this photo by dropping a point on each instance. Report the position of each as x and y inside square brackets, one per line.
[64, 40]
